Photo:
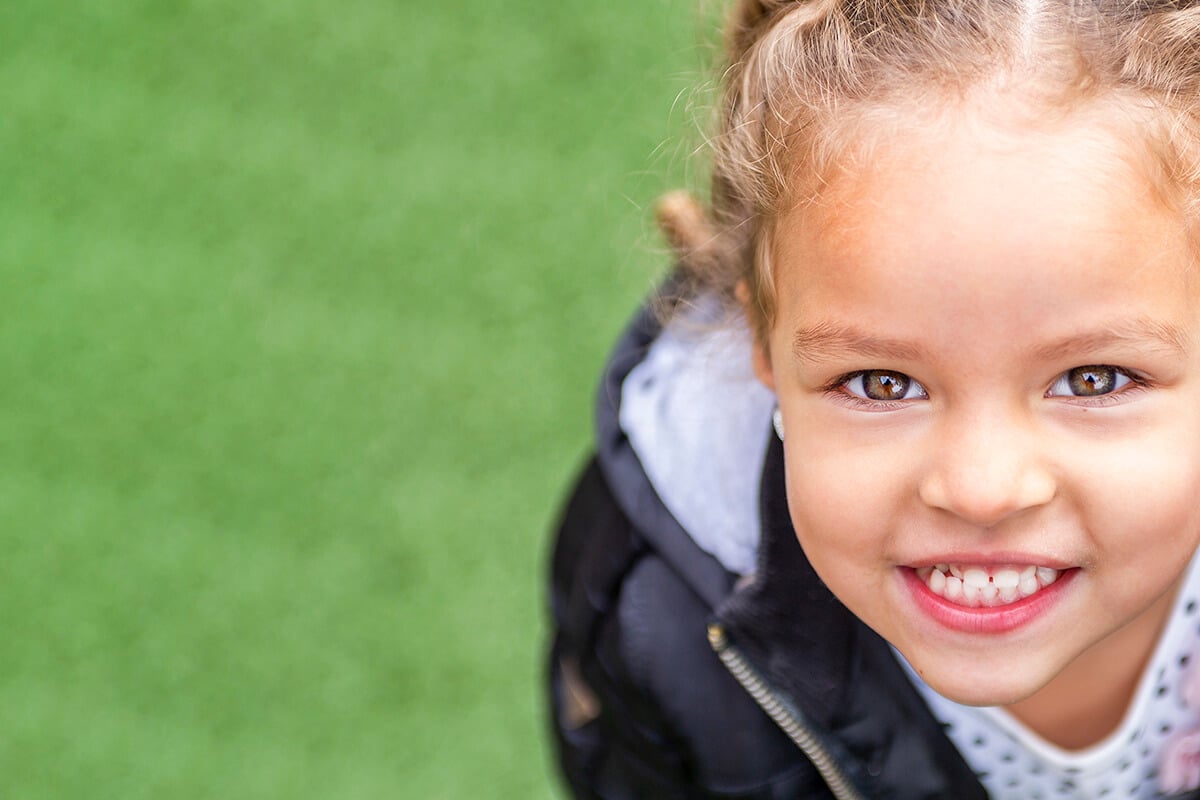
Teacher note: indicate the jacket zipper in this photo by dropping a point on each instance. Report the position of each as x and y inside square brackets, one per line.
[797, 731]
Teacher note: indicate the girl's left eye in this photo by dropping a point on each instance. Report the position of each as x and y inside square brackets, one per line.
[1091, 381]
[883, 385]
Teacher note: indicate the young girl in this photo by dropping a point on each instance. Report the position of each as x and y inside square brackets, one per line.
[902, 501]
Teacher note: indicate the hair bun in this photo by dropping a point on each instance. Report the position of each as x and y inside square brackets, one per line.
[746, 22]
[684, 223]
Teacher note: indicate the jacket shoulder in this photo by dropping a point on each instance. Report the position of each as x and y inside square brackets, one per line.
[640, 699]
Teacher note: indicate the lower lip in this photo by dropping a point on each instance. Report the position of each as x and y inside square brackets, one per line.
[998, 619]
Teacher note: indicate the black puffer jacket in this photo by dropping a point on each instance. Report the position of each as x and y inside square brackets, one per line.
[665, 676]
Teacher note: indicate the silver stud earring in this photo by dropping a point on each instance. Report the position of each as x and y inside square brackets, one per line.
[777, 421]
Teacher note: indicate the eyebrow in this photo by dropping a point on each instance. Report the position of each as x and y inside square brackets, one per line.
[827, 341]
[1128, 333]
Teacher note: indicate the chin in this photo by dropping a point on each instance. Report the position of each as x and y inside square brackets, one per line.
[991, 686]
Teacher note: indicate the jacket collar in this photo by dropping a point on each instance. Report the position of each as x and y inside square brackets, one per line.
[841, 676]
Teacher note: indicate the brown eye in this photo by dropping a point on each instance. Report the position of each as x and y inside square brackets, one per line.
[879, 385]
[1092, 381]
[884, 385]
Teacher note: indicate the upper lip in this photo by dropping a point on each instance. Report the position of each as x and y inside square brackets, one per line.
[993, 559]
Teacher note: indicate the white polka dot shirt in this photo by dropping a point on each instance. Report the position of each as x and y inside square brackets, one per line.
[1141, 759]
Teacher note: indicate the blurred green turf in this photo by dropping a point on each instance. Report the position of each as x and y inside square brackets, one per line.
[301, 309]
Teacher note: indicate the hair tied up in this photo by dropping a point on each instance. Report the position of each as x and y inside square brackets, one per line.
[810, 85]
[750, 18]
[685, 225]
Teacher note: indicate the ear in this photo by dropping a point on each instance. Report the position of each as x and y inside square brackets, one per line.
[762, 364]
[761, 350]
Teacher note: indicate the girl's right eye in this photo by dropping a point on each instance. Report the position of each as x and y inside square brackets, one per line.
[883, 385]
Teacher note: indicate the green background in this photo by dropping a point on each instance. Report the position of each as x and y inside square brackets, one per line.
[301, 310]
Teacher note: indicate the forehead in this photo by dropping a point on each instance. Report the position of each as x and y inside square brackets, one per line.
[971, 219]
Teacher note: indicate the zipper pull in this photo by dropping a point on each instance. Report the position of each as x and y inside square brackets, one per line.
[717, 639]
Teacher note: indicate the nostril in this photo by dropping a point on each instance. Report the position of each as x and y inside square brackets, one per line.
[986, 497]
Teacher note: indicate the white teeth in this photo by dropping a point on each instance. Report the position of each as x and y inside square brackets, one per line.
[937, 581]
[975, 578]
[1006, 579]
[973, 586]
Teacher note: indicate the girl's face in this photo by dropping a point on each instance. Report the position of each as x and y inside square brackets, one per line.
[986, 355]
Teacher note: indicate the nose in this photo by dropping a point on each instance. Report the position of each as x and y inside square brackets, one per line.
[987, 468]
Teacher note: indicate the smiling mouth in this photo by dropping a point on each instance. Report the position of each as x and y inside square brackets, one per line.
[973, 586]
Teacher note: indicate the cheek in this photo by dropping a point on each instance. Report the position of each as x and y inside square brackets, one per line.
[845, 480]
[1141, 497]
[843, 507]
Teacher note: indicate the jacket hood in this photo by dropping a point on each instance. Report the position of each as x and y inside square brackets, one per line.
[682, 426]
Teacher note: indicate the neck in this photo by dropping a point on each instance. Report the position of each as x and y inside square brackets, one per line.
[1087, 701]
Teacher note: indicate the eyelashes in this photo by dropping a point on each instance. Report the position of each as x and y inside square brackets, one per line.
[883, 386]
[882, 389]
[875, 390]
[1096, 380]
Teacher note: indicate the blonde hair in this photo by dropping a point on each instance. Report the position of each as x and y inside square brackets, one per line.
[804, 80]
